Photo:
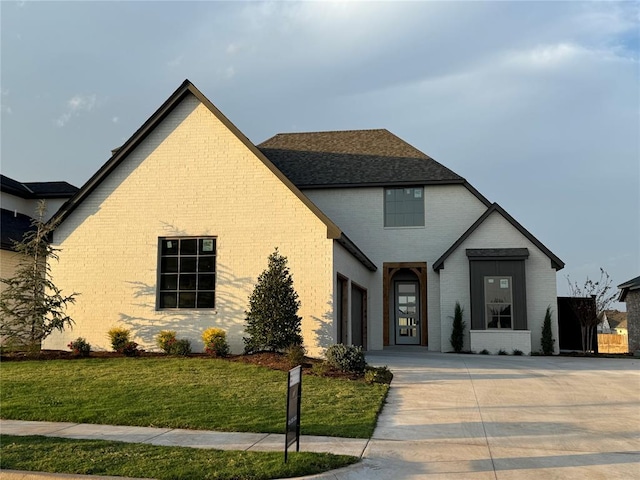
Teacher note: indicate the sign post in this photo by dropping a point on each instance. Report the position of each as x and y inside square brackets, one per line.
[294, 394]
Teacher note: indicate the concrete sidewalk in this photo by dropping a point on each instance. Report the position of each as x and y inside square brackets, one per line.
[470, 417]
[173, 437]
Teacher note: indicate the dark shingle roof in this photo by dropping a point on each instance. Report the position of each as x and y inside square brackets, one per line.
[52, 189]
[353, 157]
[37, 189]
[14, 226]
[633, 284]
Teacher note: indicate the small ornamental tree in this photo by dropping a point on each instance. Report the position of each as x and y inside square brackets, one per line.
[457, 333]
[31, 305]
[272, 320]
[588, 312]
[547, 335]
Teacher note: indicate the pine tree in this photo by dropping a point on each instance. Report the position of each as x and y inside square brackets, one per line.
[32, 307]
[272, 320]
[457, 333]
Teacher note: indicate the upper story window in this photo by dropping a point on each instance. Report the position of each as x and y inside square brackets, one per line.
[187, 272]
[404, 207]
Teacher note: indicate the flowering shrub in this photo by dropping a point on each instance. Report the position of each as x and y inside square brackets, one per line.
[119, 338]
[166, 340]
[130, 349]
[80, 347]
[215, 342]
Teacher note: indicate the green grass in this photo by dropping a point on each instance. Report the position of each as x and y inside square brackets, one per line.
[99, 457]
[193, 393]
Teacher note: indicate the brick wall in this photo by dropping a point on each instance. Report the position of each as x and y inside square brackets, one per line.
[633, 319]
[540, 278]
[359, 212]
[190, 177]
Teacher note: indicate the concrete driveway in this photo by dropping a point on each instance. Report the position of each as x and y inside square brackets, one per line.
[504, 417]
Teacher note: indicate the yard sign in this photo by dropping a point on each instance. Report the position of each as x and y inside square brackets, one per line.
[292, 432]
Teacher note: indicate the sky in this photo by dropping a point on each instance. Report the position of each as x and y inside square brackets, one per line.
[536, 104]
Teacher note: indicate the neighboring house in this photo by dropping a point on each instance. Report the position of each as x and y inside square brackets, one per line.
[173, 231]
[630, 294]
[19, 202]
[616, 321]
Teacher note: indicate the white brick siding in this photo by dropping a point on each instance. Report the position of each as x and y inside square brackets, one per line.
[190, 177]
[449, 211]
[496, 232]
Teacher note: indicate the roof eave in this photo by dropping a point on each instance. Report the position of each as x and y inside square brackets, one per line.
[556, 263]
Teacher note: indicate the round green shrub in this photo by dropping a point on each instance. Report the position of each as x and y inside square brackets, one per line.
[346, 358]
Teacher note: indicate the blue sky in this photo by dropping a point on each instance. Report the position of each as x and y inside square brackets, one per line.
[536, 104]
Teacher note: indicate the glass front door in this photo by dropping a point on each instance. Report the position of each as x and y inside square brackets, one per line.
[407, 313]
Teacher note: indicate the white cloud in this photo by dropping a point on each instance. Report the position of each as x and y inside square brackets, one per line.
[77, 105]
[176, 62]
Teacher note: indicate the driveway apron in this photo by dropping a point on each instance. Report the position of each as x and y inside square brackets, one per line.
[504, 417]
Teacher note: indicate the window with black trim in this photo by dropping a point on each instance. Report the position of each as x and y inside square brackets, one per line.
[187, 271]
[404, 207]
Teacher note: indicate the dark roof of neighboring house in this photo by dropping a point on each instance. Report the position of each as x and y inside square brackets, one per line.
[353, 158]
[14, 226]
[555, 261]
[633, 284]
[37, 189]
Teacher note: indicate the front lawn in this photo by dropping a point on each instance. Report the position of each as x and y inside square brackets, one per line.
[99, 457]
[195, 393]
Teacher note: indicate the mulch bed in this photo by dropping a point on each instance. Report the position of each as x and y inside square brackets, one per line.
[274, 361]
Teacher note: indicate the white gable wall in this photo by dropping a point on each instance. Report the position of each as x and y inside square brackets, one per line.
[497, 232]
[29, 206]
[449, 211]
[190, 177]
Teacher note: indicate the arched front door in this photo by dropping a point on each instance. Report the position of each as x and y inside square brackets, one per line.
[405, 298]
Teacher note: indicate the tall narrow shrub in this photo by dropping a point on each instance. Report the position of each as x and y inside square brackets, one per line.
[547, 336]
[457, 333]
[272, 320]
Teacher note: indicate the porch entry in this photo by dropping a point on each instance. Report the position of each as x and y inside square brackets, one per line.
[405, 303]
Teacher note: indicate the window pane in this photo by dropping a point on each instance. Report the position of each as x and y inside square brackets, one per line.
[187, 300]
[407, 288]
[169, 247]
[188, 264]
[168, 300]
[404, 207]
[206, 282]
[207, 246]
[206, 300]
[188, 282]
[206, 264]
[168, 282]
[188, 246]
[169, 265]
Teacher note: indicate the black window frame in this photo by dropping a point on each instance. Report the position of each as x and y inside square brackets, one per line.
[186, 273]
[410, 210]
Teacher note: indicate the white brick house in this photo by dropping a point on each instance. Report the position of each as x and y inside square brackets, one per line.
[172, 232]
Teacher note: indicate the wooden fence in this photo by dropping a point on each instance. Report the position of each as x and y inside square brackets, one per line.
[612, 343]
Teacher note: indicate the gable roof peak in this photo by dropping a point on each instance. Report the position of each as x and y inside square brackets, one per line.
[556, 263]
